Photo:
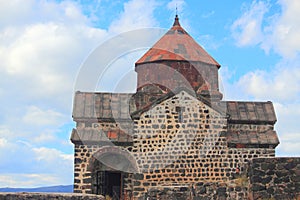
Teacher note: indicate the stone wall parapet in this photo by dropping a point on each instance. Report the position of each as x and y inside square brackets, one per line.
[274, 178]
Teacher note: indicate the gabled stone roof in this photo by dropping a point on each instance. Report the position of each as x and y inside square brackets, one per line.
[177, 45]
[94, 136]
[248, 138]
[251, 112]
[121, 106]
[104, 106]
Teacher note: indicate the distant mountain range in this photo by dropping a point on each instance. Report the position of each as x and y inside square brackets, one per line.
[58, 189]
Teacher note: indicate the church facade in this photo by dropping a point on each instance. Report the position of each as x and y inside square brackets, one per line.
[174, 132]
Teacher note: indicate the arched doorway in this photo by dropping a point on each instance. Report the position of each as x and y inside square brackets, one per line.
[109, 167]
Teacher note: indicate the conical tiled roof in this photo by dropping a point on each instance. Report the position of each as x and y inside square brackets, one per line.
[177, 45]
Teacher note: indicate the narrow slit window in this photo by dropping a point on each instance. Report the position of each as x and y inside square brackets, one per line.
[180, 111]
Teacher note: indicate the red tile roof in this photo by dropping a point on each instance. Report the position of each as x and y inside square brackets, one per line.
[177, 45]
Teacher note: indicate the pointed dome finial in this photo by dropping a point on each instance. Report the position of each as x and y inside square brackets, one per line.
[176, 22]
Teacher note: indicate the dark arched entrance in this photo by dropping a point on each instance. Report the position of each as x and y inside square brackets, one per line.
[109, 167]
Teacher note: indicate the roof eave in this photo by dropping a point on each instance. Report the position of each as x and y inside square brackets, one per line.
[172, 60]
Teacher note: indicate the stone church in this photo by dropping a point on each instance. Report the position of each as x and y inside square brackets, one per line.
[174, 133]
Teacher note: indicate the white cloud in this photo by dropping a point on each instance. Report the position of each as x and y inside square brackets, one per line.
[44, 137]
[116, 77]
[247, 29]
[288, 110]
[281, 84]
[287, 128]
[42, 44]
[283, 33]
[3, 142]
[289, 145]
[12, 13]
[51, 155]
[16, 13]
[39, 59]
[230, 90]
[38, 117]
[5, 132]
[47, 56]
[31, 166]
[136, 14]
[278, 32]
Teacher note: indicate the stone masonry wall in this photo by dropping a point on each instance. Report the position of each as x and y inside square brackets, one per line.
[199, 191]
[82, 176]
[235, 162]
[266, 178]
[276, 178]
[179, 143]
[238, 158]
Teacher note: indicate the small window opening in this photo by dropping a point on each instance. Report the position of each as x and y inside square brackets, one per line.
[180, 111]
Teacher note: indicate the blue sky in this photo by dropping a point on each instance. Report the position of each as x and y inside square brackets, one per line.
[43, 45]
